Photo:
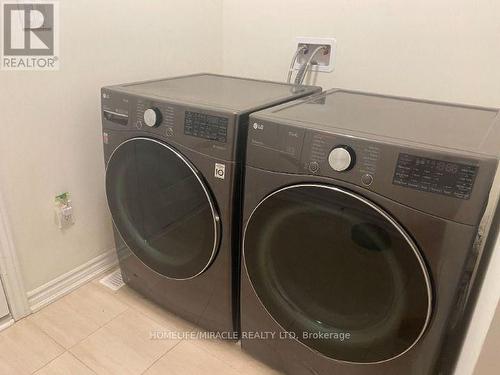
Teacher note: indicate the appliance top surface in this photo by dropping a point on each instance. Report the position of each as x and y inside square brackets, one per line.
[230, 93]
[467, 128]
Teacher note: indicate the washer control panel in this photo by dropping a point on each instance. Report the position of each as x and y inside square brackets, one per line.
[208, 131]
[435, 176]
[206, 126]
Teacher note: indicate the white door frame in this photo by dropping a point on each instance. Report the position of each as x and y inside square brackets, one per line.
[10, 271]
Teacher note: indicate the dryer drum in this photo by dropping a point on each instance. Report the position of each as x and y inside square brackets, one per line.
[338, 273]
[370, 236]
[162, 208]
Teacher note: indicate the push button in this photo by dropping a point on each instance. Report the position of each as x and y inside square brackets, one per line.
[313, 166]
[367, 179]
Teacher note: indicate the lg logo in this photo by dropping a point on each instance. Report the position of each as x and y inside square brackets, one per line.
[30, 37]
[258, 126]
[220, 170]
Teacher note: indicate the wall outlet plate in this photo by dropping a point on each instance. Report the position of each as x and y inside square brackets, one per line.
[322, 62]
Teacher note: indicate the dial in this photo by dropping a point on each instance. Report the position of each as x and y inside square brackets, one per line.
[152, 117]
[341, 158]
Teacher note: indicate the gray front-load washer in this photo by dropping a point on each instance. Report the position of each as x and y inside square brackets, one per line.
[174, 150]
[361, 223]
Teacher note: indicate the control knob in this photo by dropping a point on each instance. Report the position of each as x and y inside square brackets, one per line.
[342, 158]
[152, 117]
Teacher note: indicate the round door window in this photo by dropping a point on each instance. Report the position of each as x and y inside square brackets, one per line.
[337, 273]
[161, 208]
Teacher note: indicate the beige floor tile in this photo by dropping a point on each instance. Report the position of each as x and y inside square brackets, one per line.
[66, 364]
[8, 368]
[64, 323]
[110, 333]
[155, 312]
[231, 353]
[123, 346]
[188, 359]
[25, 348]
[93, 302]
[160, 315]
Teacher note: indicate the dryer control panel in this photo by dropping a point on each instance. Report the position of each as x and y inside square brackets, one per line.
[442, 183]
[435, 176]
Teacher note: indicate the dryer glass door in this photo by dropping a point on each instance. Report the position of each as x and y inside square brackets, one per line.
[337, 273]
[162, 208]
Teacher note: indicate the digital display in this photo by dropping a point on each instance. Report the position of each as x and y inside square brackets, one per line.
[435, 176]
[206, 126]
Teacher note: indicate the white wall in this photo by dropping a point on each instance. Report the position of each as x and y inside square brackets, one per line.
[488, 360]
[446, 50]
[50, 138]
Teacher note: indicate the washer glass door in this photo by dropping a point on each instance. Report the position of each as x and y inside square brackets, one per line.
[162, 208]
[337, 273]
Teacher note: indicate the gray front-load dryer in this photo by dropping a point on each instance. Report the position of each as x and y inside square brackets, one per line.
[174, 150]
[361, 223]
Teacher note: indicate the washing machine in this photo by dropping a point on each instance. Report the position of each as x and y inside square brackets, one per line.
[362, 220]
[173, 152]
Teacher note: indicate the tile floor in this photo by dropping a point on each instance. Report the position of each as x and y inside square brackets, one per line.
[94, 330]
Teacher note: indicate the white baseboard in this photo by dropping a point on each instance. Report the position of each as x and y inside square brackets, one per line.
[66, 283]
[6, 323]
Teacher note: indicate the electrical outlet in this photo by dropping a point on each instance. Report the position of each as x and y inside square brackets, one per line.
[323, 60]
[64, 214]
